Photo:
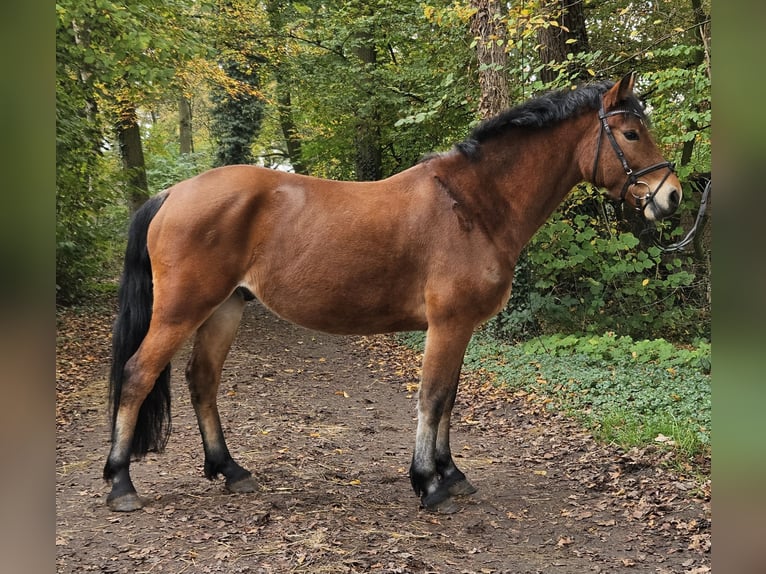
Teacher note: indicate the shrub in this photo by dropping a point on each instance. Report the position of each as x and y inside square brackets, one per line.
[589, 276]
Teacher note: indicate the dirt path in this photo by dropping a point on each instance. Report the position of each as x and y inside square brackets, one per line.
[326, 424]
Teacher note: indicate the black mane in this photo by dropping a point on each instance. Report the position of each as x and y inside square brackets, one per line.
[543, 111]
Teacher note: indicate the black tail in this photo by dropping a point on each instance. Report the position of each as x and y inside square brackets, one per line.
[135, 300]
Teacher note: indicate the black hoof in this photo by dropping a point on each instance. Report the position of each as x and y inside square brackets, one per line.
[242, 486]
[125, 503]
[439, 501]
[446, 506]
[462, 488]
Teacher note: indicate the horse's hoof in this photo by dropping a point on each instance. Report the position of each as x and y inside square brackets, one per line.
[125, 503]
[242, 486]
[446, 506]
[439, 501]
[462, 488]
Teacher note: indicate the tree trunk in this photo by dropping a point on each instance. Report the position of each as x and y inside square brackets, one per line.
[185, 125]
[369, 155]
[287, 123]
[487, 27]
[516, 320]
[275, 10]
[553, 39]
[132, 153]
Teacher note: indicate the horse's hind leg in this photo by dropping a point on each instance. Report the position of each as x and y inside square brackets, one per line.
[203, 374]
[147, 367]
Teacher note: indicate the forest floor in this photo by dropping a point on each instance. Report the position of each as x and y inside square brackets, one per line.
[326, 424]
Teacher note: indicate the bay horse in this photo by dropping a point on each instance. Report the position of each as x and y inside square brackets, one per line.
[431, 248]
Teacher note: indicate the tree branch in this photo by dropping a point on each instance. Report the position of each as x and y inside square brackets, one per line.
[653, 44]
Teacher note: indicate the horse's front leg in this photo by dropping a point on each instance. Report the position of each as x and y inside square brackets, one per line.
[433, 473]
[452, 477]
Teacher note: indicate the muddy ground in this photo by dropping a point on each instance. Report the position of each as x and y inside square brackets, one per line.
[326, 424]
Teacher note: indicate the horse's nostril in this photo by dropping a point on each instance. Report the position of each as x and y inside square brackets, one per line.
[675, 198]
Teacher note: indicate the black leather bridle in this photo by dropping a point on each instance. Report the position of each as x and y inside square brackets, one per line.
[633, 176]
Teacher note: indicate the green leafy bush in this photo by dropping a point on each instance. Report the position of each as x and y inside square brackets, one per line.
[590, 276]
[87, 197]
[170, 167]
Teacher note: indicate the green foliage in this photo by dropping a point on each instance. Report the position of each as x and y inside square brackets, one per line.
[87, 215]
[165, 164]
[170, 168]
[414, 91]
[587, 275]
[106, 53]
[630, 392]
[684, 114]
[611, 347]
[236, 120]
[86, 188]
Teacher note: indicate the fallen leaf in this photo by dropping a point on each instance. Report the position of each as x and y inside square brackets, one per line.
[661, 438]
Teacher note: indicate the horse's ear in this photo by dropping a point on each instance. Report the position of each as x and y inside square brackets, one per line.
[620, 92]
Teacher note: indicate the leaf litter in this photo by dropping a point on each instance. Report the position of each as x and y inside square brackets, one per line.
[326, 425]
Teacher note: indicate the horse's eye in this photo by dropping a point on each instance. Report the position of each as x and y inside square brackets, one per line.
[631, 135]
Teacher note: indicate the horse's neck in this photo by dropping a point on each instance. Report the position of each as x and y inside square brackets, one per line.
[516, 183]
[534, 176]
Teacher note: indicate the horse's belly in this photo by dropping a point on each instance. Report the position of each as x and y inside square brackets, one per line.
[344, 308]
[348, 319]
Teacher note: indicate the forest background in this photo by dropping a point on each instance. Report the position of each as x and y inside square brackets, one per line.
[154, 91]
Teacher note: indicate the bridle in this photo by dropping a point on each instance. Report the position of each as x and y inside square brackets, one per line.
[633, 176]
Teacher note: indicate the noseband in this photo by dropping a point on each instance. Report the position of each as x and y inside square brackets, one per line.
[633, 176]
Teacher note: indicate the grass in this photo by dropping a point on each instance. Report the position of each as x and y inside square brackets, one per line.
[631, 393]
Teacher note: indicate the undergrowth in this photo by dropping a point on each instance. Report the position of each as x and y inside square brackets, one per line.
[631, 393]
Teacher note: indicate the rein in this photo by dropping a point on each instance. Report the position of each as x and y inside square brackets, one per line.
[632, 179]
[680, 245]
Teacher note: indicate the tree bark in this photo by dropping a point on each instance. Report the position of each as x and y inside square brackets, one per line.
[132, 153]
[553, 39]
[369, 154]
[489, 30]
[185, 125]
[287, 123]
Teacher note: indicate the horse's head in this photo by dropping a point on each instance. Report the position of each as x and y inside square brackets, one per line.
[631, 168]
